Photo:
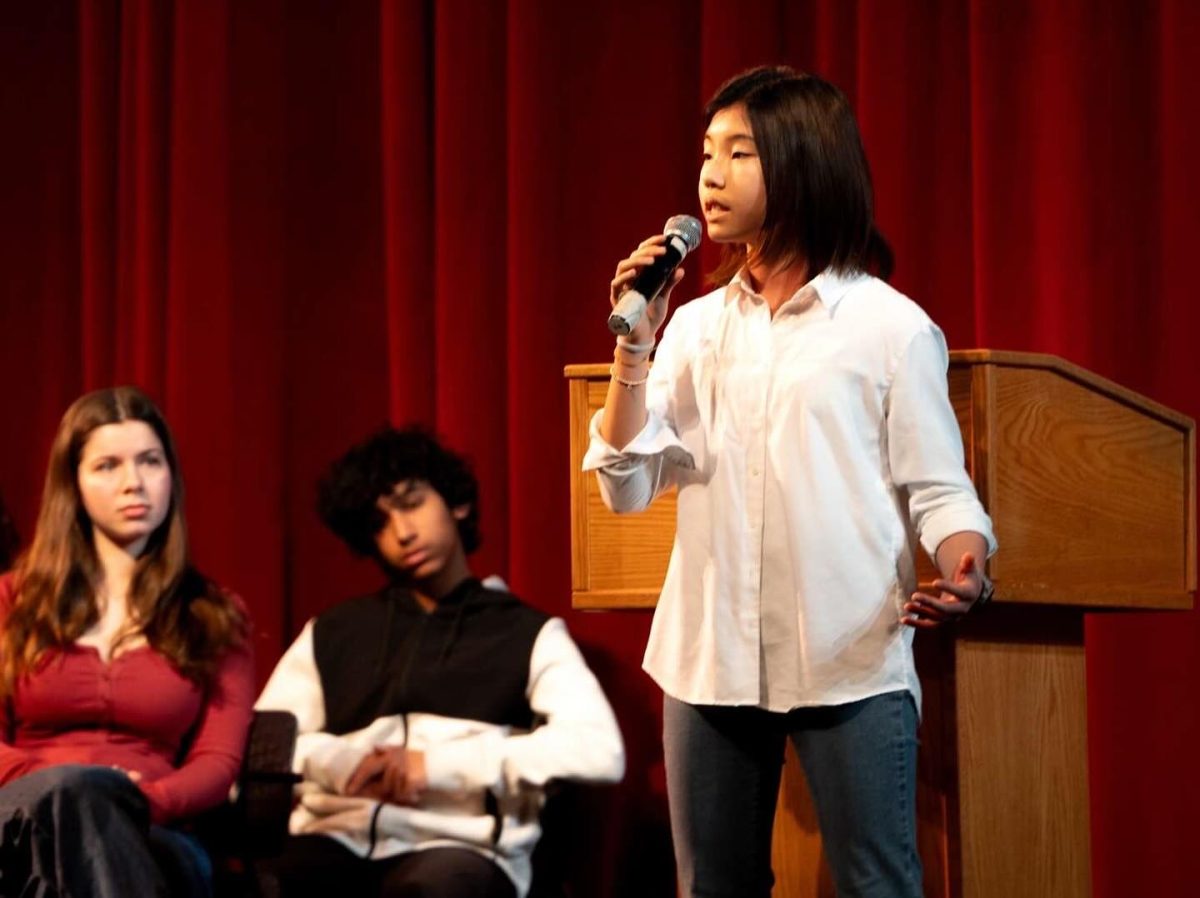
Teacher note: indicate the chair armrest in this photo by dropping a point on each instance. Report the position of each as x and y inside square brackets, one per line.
[264, 795]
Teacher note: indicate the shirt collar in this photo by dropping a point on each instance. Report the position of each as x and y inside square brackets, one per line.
[829, 286]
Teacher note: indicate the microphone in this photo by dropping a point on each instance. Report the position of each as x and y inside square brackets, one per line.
[683, 236]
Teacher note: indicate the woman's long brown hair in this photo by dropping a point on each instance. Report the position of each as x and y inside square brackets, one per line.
[182, 615]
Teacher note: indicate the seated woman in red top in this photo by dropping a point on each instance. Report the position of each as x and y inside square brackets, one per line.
[125, 676]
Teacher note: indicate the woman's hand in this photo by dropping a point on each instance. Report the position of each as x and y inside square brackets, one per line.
[628, 269]
[955, 597]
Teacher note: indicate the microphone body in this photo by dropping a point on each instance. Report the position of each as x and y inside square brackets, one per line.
[683, 236]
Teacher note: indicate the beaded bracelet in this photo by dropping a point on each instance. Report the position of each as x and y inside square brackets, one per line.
[638, 364]
[612, 370]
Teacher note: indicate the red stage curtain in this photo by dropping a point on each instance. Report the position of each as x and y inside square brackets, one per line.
[292, 222]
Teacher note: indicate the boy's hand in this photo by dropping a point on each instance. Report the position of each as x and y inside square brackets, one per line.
[392, 774]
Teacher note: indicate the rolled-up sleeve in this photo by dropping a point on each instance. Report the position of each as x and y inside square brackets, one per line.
[631, 478]
[925, 448]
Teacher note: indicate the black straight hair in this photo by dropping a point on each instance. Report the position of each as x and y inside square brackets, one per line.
[820, 205]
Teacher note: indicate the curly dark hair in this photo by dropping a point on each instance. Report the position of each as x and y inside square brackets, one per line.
[347, 494]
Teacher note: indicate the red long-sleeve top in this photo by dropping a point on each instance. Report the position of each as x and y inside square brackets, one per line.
[136, 712]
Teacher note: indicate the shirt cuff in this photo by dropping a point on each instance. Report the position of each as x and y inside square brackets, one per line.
[330, 766]
[948, 521]
[653, 439]
[464, 764]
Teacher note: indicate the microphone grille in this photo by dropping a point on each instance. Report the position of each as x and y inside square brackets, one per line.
[687, 227]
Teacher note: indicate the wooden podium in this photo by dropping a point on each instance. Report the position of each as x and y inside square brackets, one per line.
[1092, 491]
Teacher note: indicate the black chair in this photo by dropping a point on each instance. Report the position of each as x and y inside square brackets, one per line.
[253, 825]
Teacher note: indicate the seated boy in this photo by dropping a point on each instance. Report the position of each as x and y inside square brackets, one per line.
[433, 712]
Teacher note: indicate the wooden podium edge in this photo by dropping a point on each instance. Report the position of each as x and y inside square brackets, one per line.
[1124, 395]
[983, 395]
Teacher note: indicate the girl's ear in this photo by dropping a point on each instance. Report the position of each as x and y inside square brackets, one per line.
[460, 512]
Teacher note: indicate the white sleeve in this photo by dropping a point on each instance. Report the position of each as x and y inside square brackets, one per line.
[295, 685]
[579, 740]
[631, 478]
[925, 448]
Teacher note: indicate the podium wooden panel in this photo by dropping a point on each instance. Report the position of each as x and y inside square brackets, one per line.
[1092, 491]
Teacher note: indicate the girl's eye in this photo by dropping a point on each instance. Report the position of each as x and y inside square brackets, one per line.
[707, 157]
[153, 460]
[106, 465]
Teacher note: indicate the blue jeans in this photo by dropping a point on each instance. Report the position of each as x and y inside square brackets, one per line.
[85, 831]
[723, 770]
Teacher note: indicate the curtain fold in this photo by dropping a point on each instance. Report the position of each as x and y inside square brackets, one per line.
[292, 222]
[470, 254]
[408, 152]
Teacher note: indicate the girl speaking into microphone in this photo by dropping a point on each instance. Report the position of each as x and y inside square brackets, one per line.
[801, 410]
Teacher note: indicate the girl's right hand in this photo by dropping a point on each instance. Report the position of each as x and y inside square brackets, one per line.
[628, 269]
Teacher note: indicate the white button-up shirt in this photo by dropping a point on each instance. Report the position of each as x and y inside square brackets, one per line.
[810, 450]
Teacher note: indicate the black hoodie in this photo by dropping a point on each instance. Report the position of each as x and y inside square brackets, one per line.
[382, 654]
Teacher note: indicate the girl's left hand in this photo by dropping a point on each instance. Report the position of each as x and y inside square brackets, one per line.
[955, 597]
